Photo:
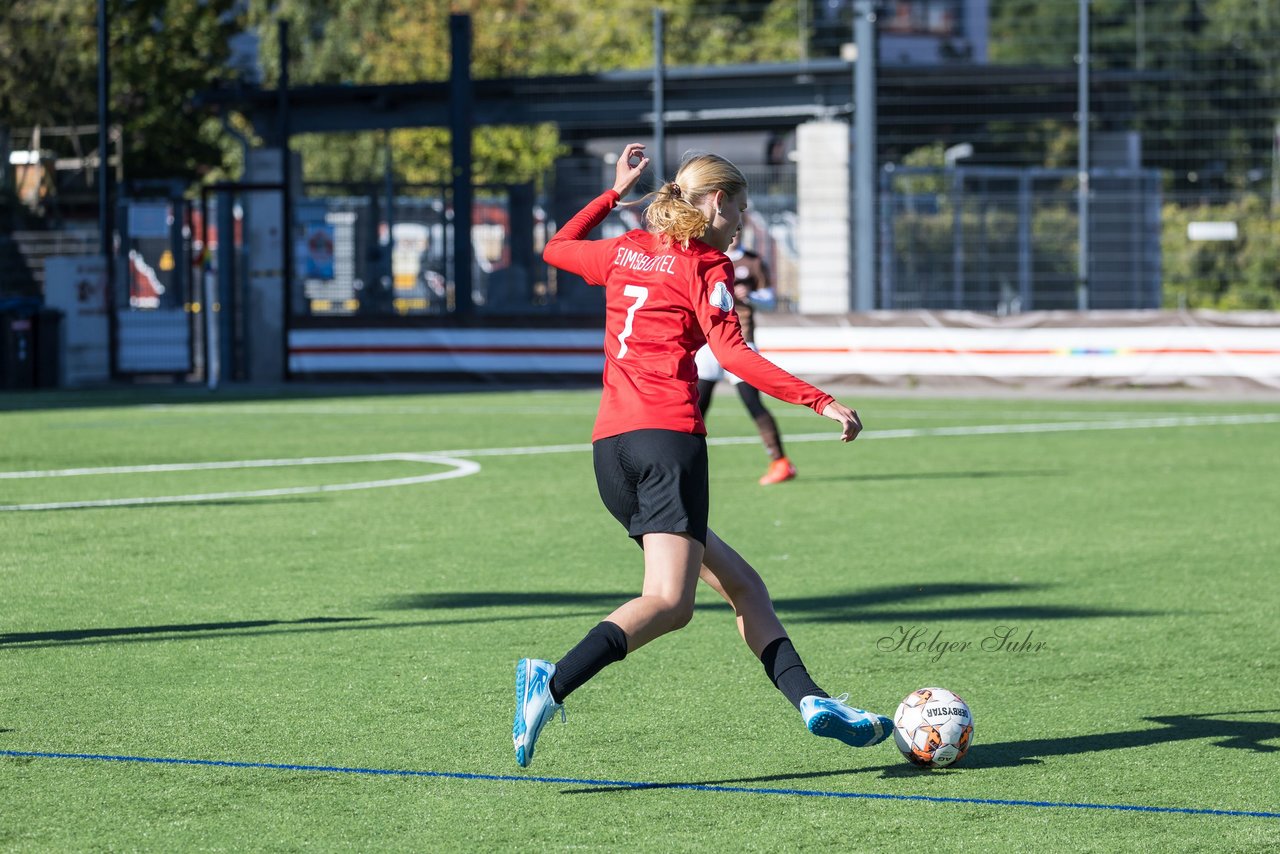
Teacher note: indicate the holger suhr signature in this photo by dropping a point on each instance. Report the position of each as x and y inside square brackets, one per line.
[921, 639]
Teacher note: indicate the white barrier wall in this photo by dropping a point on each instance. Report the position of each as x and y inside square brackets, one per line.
[1141, 355]
[446, 351]
[1121, 348]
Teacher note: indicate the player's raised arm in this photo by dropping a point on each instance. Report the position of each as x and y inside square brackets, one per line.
[631, 165]
[569, 248]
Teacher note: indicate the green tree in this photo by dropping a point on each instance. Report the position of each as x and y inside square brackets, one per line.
[1205, 73]
[1236, 274]
[161, 53]
[44, 83]
[396, 41]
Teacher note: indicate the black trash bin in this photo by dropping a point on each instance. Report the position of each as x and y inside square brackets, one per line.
[17, 351]
[48, 347]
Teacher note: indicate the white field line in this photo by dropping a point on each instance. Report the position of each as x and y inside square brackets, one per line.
[226, 464]
[360, 411]
[463, 467]
[920, 432]
[459, 468]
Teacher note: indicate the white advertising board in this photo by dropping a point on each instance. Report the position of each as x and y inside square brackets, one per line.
[77, 286]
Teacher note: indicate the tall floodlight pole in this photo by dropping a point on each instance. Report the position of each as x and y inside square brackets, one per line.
[659, 157]
[105, 224]
[1082, 117]
[864, 153]
[461, 123]
[286, 194]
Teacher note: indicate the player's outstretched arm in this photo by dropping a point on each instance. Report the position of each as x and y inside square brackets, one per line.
[850, 423]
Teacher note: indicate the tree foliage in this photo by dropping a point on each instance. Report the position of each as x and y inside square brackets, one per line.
[41, 85]
[395, 41]
[1194, 65]
[1230, 274]
[161, 52]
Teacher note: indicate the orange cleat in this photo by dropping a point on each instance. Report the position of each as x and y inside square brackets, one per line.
[779, 471]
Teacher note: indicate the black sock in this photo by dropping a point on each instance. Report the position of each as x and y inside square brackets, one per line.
[785, 669]
[603, 645]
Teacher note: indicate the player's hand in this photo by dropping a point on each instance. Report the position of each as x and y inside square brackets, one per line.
[847, 417]
[631, 165]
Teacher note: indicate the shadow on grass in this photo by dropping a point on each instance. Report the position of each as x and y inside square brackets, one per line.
[181, 628]
[245, 629]
[505, 599]
[735, 781]
[1228, 733]
[194, 394]
[862, 606]
[1234, 734]
[859, 606]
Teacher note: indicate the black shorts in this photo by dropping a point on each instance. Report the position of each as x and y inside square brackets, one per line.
[654, 481]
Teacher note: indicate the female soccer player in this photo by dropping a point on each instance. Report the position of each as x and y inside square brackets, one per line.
[667, 293]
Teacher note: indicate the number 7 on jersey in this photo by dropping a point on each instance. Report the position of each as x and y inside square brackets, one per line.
[640, 294]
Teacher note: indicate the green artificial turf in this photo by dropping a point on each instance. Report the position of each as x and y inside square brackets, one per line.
[1133, 571]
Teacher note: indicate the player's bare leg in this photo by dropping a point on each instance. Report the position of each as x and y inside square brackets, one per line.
[671, 566]
[742, 587]
[729, 574]
[665, 603]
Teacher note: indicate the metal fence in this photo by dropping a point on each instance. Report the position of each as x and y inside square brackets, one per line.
[1004, 240]
[374, 251]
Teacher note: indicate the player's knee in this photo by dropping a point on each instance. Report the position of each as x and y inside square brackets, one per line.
[746, 586]
[677, 613]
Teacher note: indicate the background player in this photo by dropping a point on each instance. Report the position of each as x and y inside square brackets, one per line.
[752, 290]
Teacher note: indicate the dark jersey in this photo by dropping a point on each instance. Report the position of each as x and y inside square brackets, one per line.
[752, 273]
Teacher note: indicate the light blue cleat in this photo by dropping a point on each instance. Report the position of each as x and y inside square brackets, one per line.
[830, 717]
[534, 706]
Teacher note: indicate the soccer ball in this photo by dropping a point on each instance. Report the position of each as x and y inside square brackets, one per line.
[933, 728]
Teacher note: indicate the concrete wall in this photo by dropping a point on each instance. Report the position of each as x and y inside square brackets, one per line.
[824, 207]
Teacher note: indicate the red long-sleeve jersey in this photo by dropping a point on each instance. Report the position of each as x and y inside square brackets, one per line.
[662, 303]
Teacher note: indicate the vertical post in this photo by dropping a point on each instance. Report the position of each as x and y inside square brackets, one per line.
[659, 96]
[1024, 241]
[460, 122]
[106, 225]
[388, 297]
[211, 298]
[231, 366]
[1082, 117]
[286, 193]
[957, 239]
[802, 29]
[208, 297]
[6, 170]
[1140, 34]
[1275, 171]
[864, 152]
[887, 250]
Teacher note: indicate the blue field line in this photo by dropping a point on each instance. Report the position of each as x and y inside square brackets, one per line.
[631, 784]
